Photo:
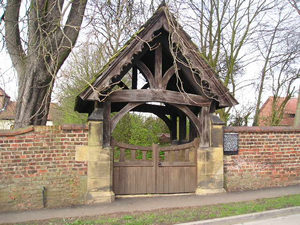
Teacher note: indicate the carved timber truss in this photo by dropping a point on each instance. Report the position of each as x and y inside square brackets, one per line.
[162, 72]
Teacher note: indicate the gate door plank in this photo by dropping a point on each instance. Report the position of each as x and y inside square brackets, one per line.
[178, 172]
[135, 174]
[116, 177]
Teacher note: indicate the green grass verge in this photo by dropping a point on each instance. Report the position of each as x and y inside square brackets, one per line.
[173, 216]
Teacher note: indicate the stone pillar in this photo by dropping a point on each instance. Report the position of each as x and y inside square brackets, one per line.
[100, 164]
[210, 174]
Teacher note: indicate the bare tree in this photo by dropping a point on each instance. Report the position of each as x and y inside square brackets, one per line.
[84, 62]
[295, 5]
[39, 36]
[224, 30]
[112, 23]
[240, 117]
[279, 48]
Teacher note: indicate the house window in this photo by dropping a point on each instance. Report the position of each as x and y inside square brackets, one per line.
[291, 115]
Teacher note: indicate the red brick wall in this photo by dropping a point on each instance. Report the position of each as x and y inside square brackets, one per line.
[38, 157]
[268, 157]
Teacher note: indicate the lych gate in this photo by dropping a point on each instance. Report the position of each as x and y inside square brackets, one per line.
[162, 72]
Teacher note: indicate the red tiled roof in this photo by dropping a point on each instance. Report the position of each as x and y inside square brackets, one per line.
[291, 106]
[289, 111]
[10, 110]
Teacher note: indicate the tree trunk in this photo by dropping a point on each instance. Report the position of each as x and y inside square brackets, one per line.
[34, 96]
[38, 59]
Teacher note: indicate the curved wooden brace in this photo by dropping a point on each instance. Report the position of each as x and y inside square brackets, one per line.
[167, 76]
[165, 119]
[191, 115]
[122, 112]
[131, 106]
[147, 73]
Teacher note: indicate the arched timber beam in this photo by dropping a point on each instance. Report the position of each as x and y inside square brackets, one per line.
[191, 115]
[164, 118]
[131, 106]
[147, 73]
[167, 76]
[121, 113]
[159, 112]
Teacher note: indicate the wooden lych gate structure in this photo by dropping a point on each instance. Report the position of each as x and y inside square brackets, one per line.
[159, 71]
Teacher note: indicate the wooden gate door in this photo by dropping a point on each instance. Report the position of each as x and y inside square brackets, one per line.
[148, 170]
[177, 170]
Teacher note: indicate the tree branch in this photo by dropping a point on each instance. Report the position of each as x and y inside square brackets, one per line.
[294, 5]
[68, 36]
[12, 35]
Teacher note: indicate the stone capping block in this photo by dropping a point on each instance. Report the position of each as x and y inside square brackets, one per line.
[215, 120]
[261, 129]
[74, 127]
[7, 133]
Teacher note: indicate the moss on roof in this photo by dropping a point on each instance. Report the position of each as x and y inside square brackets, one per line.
[110, 61]
[106, 66]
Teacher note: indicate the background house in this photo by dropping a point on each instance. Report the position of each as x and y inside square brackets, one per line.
[289, 112]
[8, 110]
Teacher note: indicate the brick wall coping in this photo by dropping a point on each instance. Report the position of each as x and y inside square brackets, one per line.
[74, 127]
[261, 129]
[5, 133]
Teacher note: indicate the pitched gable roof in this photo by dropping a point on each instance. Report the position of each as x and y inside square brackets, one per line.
[9, 111]
[161, 19]
[291, 106]
[288, 115]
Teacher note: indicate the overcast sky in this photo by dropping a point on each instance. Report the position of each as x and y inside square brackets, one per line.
[8, 79]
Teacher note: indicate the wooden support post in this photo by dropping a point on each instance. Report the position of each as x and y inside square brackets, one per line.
[193, 132]
[155, 155]
[182, 128]
[205, 127]
[106, 123]
[173, 127]
[158, 66]
[134, 78]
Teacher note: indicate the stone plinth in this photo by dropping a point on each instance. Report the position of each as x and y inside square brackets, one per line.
[210, 173]
[100, 165]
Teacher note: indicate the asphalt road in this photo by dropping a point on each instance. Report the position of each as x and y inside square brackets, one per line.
[282, 220]
[287, 216]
